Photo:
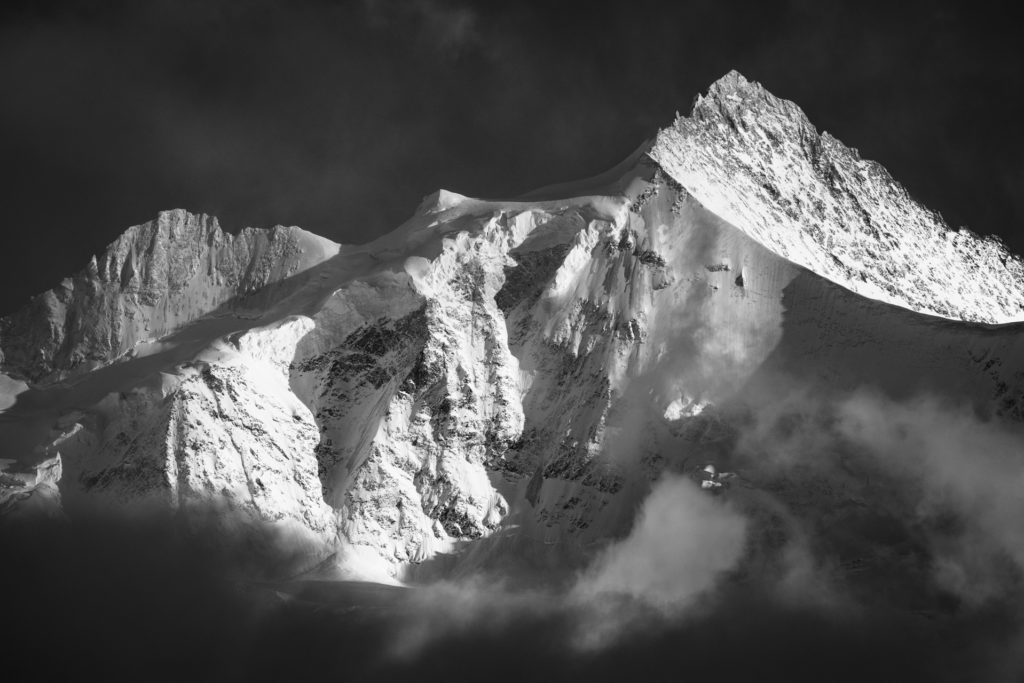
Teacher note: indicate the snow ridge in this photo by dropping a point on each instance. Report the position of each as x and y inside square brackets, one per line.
[756, 161]
[501, 382]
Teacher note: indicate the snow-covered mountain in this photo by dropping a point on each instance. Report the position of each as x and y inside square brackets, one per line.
[503, 381]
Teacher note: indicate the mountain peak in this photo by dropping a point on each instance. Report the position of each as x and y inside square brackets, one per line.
[739, 102]
[529, 366]
[733, 91]
[756, 161]
[732, 82]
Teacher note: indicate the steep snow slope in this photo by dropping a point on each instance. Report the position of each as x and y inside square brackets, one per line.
[756, 161]
[498, 382]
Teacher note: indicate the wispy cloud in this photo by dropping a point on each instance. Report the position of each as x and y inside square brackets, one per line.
[449, 27]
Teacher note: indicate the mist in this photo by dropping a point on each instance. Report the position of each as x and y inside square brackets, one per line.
[139, 600]
[681, 541]
[670, 596]
[970, 473]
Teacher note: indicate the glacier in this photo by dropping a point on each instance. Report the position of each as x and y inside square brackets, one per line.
[502, 382]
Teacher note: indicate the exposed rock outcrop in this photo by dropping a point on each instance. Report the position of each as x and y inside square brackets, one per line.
[33, 494]
[153, 280]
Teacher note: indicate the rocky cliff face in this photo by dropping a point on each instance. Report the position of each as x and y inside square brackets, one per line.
[153, 280]
[502, 381]
[223, 434]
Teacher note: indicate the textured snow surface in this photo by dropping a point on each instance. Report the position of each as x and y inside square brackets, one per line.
[501, 382]
[756, 161]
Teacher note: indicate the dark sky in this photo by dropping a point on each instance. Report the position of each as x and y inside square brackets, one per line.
[340, 116]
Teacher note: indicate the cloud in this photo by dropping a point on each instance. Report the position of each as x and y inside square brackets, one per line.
[449, 27]
[968, 473]
[135, 596]
[682, 541]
